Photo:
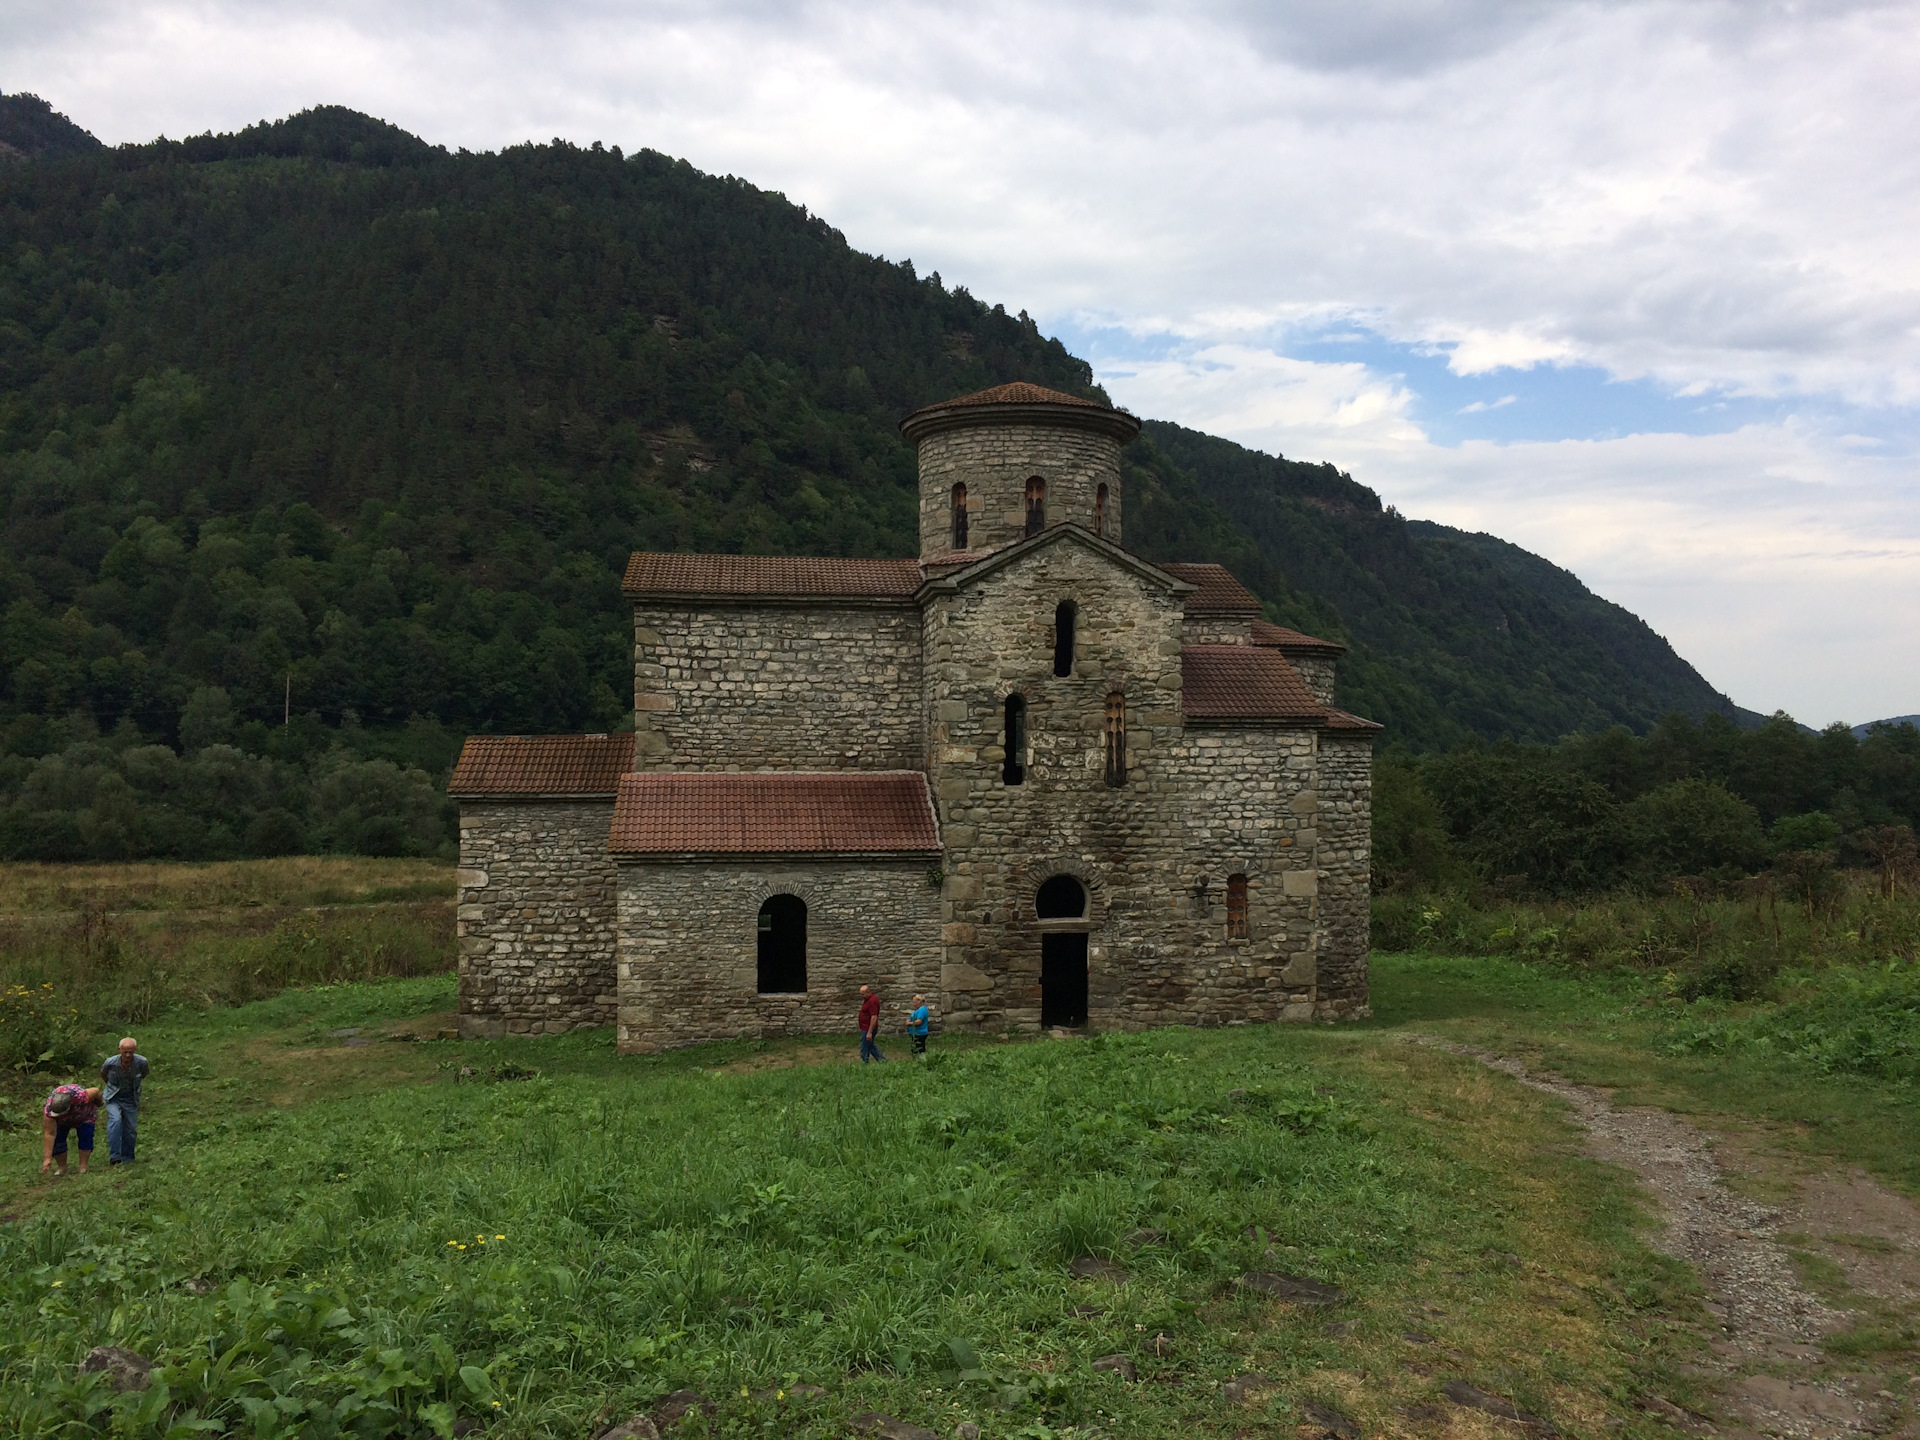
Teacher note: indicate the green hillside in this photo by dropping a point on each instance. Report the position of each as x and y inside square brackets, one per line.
[319, 421]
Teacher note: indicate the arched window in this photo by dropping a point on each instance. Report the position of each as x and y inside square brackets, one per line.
[783, 946]
[1061, 897]
[1116, 739]
[1036, 505]
[1013, 770]
[1064, 615]
[1237, 907]
[1100, 511]
[959, 517]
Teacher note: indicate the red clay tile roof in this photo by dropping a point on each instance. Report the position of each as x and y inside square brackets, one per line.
[769, 576]
[1292, 642]
[1019, 402]
[1019, 392]
[1219, 592]
[1341, 720]
[1243, 682]
[541, 765]
[864, 813]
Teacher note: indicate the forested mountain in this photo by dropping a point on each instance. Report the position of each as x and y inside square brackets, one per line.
[320, 422]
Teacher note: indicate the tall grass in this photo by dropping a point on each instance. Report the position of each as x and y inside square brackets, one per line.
[88, 948]
[1829, 980]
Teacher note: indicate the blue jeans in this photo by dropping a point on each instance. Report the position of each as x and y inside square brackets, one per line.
[122, 1119]
[870, 1051]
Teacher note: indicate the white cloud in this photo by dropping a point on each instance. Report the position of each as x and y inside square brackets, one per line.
[1479, 407]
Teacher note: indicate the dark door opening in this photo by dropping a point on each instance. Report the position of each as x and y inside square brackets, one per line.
[783, 946]
[1063, 980]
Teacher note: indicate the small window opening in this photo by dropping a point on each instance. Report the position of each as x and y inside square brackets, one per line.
[1013, 771]
[1116, 739]
[1100, 511]
[1061, 898]
[960, 517]
[1063, 617]
[1036, 505]
[1236, 907]
[783, 946]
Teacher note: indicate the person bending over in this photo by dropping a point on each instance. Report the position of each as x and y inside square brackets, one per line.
[70, 1110]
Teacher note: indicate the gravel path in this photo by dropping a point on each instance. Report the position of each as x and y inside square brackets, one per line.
[1776, 1379]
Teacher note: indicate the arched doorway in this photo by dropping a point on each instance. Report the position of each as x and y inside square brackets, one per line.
[783, 946]
[1063, 953]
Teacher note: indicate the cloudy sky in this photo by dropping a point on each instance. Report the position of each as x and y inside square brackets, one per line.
[1634, 285]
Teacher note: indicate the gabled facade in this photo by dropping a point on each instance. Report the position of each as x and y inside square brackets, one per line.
[1030, 775]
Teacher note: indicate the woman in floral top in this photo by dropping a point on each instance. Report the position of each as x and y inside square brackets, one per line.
[70, 1109]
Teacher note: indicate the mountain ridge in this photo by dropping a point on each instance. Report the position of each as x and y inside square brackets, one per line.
[319, 408]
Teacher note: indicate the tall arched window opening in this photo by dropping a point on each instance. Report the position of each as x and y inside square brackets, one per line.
[1064, 615]
[783, 946]
[1013, 770]
[1237, 907]
[1100, 511]
[960, 517]
[1116, 739]
[1036, 505]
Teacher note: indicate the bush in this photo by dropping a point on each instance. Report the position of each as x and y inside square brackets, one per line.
[39, 1031]
[1690, 827]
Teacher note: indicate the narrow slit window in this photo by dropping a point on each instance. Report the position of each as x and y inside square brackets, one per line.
[1100, 511]
[1064, 616]
[1036, 505]
[1013, 770]
[1236, 907]
[1116, 739]
[960, 517]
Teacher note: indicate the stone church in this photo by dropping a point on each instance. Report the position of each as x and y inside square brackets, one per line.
[1031, 775]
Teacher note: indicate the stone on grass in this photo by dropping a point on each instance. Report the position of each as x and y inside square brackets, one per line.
[1331, 1423]
[1146, 1235]
[1092, 1267]
[1461, 1393]
[1294, 1289]
[966, 1430]
[1244, 1389]
[888, 1428]
[1120, 1365]
[638, 1428]
[124, 1369]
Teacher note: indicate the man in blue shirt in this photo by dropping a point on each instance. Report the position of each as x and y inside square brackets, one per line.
[121, 1075]
[917, 1024]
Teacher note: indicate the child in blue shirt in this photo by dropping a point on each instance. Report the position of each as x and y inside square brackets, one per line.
[917, 1024]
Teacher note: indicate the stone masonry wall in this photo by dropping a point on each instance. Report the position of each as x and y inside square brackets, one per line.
[688, 954]
[1200, 805]
[1219, 630]
[824, 687]
[1346, 865]
[995, 462]
[536, 917]
[1317, 671]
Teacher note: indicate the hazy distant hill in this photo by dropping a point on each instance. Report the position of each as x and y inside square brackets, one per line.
[321, 409]
[1892, 722]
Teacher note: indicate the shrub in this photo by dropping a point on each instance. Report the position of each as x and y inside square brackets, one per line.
[1690, 827]
[37, 1030]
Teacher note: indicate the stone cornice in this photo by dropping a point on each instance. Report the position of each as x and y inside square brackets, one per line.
[935, 419]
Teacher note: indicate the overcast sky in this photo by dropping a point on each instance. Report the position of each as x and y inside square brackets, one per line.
[1634, 285]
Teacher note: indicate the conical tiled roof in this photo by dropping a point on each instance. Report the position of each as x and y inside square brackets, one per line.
[1018, 392]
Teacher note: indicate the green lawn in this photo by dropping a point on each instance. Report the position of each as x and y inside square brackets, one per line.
[327, 1238]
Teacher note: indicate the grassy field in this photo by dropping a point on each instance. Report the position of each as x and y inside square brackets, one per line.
[345, 1224]
[90, 948]
[329, 1236]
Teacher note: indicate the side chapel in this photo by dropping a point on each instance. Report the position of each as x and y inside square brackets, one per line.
[1031, 775]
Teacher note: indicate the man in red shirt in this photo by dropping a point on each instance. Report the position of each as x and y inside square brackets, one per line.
[869, 1027]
